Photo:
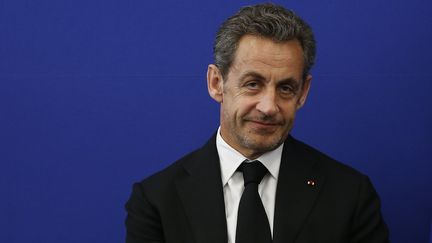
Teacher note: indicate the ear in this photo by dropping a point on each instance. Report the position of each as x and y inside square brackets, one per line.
[215, 83]
[304, 92]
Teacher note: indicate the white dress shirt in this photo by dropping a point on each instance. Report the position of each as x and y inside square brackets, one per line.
[233, 186]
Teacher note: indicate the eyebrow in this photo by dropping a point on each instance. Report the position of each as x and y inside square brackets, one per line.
[252, 74]
[258, 76]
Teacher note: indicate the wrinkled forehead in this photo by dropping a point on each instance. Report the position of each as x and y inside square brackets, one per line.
[265, 56]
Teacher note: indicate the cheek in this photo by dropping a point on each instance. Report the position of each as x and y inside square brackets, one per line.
[230, 112]
[240, 106]
[289, 112]
[245, 111]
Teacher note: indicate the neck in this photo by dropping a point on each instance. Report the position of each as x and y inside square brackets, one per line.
[246, 152]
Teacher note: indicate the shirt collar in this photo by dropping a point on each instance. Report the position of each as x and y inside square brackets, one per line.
[230, 159]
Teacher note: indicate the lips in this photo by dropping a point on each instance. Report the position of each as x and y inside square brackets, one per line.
[263, 126]
[265, 123]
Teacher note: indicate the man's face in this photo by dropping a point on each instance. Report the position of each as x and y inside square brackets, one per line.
[261, 94]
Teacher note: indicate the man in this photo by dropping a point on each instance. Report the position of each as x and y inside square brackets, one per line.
[263, 55]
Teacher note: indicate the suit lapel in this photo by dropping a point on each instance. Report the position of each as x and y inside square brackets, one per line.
[295, 195]
[201, 193]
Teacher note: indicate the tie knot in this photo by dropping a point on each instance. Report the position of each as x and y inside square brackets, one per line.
[253, 172]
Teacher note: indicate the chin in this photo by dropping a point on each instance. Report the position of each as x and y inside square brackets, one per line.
[261, 145]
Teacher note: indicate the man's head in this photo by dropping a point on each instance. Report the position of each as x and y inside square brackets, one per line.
[263, 55]
[265, 20]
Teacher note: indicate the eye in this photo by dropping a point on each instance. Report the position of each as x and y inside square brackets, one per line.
[287, 89]
[252, 85]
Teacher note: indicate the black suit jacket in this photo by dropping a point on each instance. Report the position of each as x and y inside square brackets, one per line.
[185, 202]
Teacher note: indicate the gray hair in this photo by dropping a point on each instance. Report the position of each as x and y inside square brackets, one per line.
[266, 20]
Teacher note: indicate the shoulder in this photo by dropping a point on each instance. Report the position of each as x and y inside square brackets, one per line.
[168, 175]
[158, 190]
[163, 182]
[154, 201]
[339, 181]
[347, 197]
[323, 162]
[187, 164]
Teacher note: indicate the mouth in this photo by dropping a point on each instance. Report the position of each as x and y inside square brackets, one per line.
[262, 125]
[265, 123]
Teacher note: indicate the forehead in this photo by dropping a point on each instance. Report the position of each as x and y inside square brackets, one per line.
[268, 57]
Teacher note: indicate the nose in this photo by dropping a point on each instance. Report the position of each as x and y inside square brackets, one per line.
[267, 103]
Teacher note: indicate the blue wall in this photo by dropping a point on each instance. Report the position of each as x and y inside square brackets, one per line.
[95, 95]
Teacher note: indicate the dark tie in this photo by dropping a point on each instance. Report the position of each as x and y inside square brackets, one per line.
[252, 221]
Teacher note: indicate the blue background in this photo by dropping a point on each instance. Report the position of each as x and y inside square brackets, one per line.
[95, 95]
